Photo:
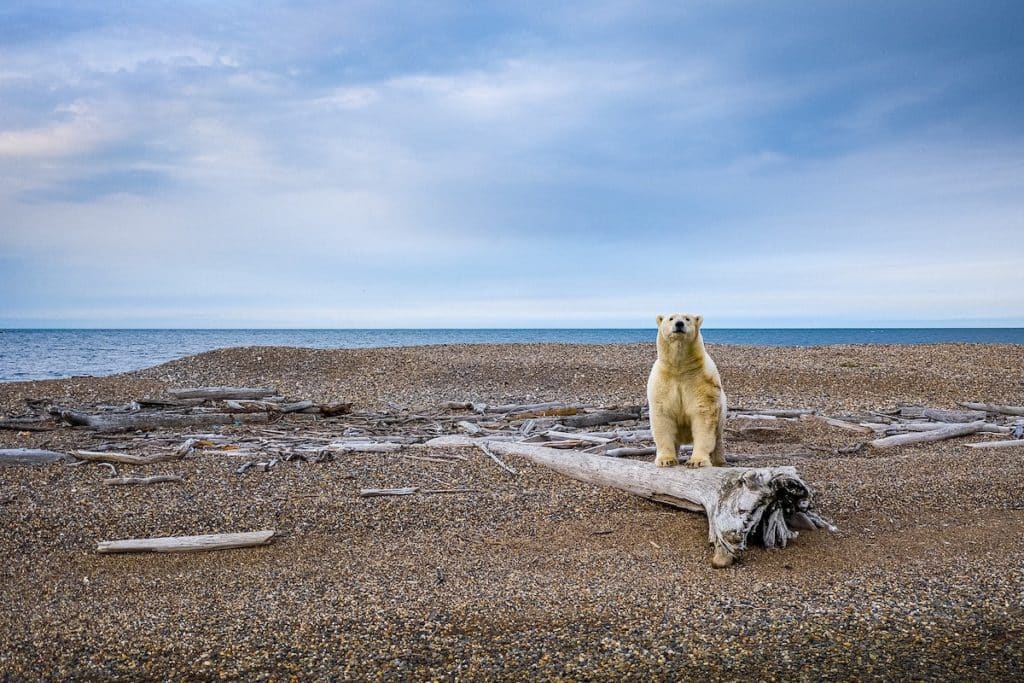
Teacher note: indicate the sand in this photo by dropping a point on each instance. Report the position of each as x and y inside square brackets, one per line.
[531, 576]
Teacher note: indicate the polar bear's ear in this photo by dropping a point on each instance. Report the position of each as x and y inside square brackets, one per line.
[698, 320]
[659, 319]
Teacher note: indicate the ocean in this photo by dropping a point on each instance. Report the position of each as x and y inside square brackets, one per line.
[50, 354]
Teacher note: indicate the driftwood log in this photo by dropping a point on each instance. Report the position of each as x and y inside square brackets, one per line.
[141, 481]
[743, 504]
[179, 544]
[27, 424]
[223, 393]
[947, 432]
[128, 422]
[30, 456]
[994, 408]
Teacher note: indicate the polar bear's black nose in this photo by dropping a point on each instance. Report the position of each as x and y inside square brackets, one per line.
[680, 326]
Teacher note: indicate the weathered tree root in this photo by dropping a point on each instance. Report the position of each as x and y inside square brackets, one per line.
[766, 505]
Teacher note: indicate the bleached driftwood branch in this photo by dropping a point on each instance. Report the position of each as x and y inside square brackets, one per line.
[742, 504]
[994, 408]
[141, 481]
[223, 393]
[125, 458]
[30, 456]
[947, 432]
[126, 422]
[179, 544]
[1011, 443]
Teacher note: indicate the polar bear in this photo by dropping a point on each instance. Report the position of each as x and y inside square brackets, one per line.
[684, 393]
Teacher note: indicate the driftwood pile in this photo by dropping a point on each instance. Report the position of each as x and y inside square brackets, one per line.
[590, 443]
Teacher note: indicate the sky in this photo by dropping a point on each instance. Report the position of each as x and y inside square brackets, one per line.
[527, 164]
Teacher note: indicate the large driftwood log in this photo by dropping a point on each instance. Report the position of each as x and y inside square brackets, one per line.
[127, 422]
[178, 544]
[126, 458]
[223, 393]
[30, 456]
[948, 432]
[742, 504]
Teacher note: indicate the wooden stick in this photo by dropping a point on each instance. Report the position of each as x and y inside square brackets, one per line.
[178, 544]
[947, 432]
[222, 393]
[498, 461]
[124, 458]
[30, 456]
[1011, 443]
[994, 408]
[155, 479]
[373, 493]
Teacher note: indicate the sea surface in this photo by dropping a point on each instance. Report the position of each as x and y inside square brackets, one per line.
[50, 354]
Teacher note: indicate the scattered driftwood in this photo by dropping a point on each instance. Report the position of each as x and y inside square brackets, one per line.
[601, 418]
[742, 504]
[222, 393]
[124, 458]
[179, 544]
[994, 408]
[129, 422]
[374, 493]
[947, 432]
[131, 481]
[1011, 443]
[941, 414]
[27, 424]
[30, 456]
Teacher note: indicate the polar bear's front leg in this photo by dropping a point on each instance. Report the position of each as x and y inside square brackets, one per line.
[705, 438]
[664, 429]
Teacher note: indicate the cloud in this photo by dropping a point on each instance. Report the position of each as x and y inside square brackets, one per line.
[586, 163]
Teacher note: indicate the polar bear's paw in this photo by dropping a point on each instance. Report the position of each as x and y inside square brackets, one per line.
[666, 461]
[698, 461]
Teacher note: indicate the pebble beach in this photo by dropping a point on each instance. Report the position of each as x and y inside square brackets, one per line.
[530, 576]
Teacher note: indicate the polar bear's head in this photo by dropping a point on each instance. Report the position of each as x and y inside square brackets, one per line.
[679, 327]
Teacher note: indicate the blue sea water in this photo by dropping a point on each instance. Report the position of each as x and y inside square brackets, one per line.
[48, 354]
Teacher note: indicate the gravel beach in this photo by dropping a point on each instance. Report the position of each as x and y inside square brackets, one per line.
[530, 576]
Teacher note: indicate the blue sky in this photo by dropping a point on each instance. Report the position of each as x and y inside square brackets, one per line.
[305, 164]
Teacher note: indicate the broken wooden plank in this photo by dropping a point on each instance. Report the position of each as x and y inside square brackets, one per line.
[628, 452]
[179, 544]
[222, 393]
[574, 436]
[30, 456]
[948, 432]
